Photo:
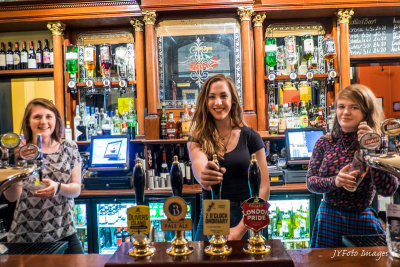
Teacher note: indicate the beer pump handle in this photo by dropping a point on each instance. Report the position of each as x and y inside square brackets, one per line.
[176, 178]
[39, 161]
[254, 177]
[139, 180]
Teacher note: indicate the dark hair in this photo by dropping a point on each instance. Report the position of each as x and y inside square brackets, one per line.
[203, 127]
[26, 128]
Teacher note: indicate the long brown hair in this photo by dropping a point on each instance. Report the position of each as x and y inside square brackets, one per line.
[203, 126]
[366, 100]
[47, 104]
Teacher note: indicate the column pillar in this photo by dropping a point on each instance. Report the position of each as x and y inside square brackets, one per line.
[140, 82]
[57, 29]
[344, 16]
[260, 70]
[250, 117]
[152, 125]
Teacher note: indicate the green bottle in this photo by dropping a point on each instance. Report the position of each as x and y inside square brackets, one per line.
[278, 223]
[72, 60]
[270, 52]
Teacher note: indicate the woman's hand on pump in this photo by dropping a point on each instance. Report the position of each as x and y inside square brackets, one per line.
[211, 175]
[346, 178]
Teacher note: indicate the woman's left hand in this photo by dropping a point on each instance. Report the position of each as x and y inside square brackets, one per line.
[363, 129]
[47, 192]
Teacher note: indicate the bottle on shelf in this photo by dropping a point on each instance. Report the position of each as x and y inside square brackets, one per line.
[77, 121]
[320, 120]
[291, 55]
[39, 55]
[72, 65]
[51, 58]
[329, 53]
[179, 126]
[270, 56]
[17, 57]
[273, 121]
[90, 63]
[331, 117]
[24, 56]
[46, 54]
[2, 57]
[171, 126]
[311, 115]
[163, 123]
[117, 123]
[106, 126]
[308, 53]
[105, 63]
[130, 119]
[68, 131]
[282, 119]
[10, 57]
[186, 122]
[32, 57]
[303, 116]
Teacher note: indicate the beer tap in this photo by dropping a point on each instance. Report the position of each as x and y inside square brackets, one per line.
[176, 178]
[139, 180]
[39, 160]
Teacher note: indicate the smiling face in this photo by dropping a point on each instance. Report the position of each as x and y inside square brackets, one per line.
[348, 114]
[219, 100]
[42, 121]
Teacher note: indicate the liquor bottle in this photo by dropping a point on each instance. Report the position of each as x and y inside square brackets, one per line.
[296, 117]
[2, 57]
[46, 54]
[10, 57]
[124, 123]
[163, 123]
[270, 56]
[254, 177]
[31, 57]
[273, 121]
[106, 125]
[282, 119]
[90, 59]
[331, 117]
[68, 131]
[72, 64]
[308, 47]
[311, 115]
[39, 55]
[17, 57]
[329, 53]
[77, 121]
[117, 123]
[320, 121]
[171, 127]
[186, 123]
[217, 188]
[131, 124]
[291, 55]
[303, 116]
[179, 126]
[164, 166]
[24, 56]
[139, 180]
[176, 178]
[105, 59]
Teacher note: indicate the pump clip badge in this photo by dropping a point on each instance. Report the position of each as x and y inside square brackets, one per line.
[255, 211]
[370, 141]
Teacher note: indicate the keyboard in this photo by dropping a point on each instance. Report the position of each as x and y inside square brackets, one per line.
[58, 247]
[364, 240]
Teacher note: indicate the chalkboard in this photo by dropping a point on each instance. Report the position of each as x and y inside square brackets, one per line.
[374, 35]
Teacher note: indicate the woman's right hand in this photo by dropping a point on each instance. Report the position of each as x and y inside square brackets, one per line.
[211, 175]
[344, 178]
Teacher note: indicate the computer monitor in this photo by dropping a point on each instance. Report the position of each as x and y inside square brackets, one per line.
[300, 144]
[109, 153]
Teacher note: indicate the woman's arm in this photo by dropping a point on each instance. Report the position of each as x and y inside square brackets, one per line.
[206, 172]
[316, 183]
[385, 183]
[13, 193]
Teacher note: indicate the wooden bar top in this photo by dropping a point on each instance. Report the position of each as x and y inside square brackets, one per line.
[187, 189]
[339, 257]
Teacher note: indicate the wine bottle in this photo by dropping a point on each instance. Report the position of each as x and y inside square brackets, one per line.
[217, 188]
[17, 57]
[139, 181]
[254, 177]
[39, 55]
[24, 56]
[10, 57]
[2, 57]
[31, 57]
[46, 54]
[176, 178]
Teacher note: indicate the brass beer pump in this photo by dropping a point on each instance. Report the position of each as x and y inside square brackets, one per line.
[255, 211]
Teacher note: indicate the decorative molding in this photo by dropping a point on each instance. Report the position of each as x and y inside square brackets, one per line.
[106, 37]
[345, 15]
[137, 24]
[245, 12]
[259, 19]
[57, 28]
[149, 17]
[68, 5]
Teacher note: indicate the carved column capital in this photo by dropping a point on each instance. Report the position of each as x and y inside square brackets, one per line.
[56, 28]
[137, 24]
[345, 15]
[245, 12]
[259, 18]
[149, 17]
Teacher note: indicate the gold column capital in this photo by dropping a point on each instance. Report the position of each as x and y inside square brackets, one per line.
[345, 15]
[56, 27]
[137, 24]
[245, 12]
[149, 17]
[259, 18]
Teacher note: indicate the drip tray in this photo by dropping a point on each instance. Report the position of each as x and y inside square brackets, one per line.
[58, 247]
[364, 240]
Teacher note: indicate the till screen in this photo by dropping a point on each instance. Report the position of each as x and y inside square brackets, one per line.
[112, 151]
[301, 143]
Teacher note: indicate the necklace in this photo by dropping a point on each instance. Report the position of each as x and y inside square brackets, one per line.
[227, 142]
[346, 149]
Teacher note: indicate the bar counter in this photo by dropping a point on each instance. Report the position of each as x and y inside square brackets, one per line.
[339, 257]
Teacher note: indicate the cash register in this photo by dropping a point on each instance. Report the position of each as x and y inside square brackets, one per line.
[299, 147]
[109, 164]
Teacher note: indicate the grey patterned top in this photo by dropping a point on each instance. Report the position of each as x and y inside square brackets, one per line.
[47, 220]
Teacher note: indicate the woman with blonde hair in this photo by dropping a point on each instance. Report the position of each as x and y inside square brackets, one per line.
[218, 128]
[346, 208]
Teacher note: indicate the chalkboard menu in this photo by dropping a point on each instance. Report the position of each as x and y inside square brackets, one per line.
[374, 35]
